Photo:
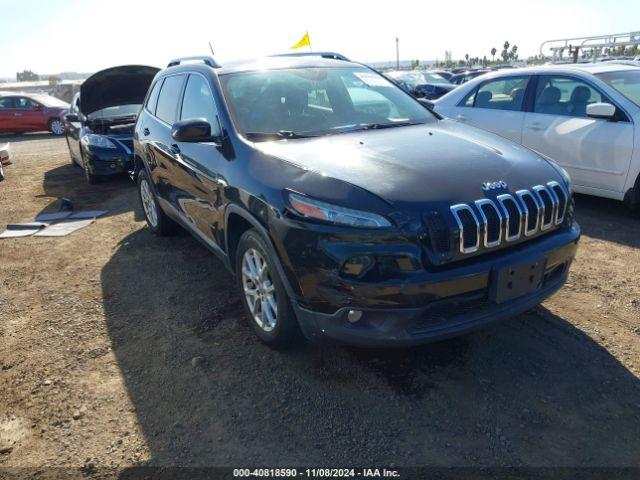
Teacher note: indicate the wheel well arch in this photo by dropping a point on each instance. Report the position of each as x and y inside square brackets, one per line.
[235, 226]
[138, 164]
[632, 196]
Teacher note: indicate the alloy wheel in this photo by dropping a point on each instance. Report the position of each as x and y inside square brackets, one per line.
[57, 127]
[259, 290]
[148, 203]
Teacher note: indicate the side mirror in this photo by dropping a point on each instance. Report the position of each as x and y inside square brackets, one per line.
[601, 110]
[192, 130]
[71, 117]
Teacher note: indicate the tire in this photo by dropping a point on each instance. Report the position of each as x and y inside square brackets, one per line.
[157, 221]
[278, 331]
[56, 126]
[90, 177]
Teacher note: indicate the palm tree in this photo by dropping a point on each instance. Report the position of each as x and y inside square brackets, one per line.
[493, 54]
[514, 52]
[466, 57]
[505, 51]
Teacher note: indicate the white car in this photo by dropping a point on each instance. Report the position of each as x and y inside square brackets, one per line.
[586, 117]
[5, 158]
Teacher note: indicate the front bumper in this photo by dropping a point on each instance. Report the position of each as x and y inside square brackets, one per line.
[107, 162]
[437, 305]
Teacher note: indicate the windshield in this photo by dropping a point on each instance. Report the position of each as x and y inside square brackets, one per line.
[317, 101]
[626, 82]
[117, 111]
[49, 101]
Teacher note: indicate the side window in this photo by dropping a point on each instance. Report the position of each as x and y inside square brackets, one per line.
[152, 101]
[23, 103]
[500, 94]
[199, 103]
[7, 103]
[565, 96]
[168, 99]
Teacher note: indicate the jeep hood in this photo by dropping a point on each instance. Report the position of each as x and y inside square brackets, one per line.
[125, 85]
[442, 162]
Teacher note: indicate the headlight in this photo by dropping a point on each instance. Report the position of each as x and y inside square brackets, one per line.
[326, 212]
[94, 140]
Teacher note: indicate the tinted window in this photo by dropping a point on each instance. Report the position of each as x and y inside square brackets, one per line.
[198, 101]
[24, 103]
[153, 97]
[7, 103]
[565, 96]
[500, 94]
[168, 98]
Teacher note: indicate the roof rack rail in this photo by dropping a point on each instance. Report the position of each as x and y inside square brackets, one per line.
[331, 55]
[202, 58]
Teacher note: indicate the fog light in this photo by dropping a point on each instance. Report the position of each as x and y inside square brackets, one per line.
[358, 265]
[354, 315]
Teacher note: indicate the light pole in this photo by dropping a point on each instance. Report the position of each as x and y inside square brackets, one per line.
[397, 54]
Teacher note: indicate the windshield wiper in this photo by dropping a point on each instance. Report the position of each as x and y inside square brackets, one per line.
[378, 126]
[277, 135]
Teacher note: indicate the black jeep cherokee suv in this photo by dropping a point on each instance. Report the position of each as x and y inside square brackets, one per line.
[344, 207]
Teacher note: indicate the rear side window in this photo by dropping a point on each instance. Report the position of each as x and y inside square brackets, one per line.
[198, 102]
[153, 97]
[500, 94]
[167, 107]
[7, 103]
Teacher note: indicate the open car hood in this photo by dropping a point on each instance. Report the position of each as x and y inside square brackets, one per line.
[125, 85]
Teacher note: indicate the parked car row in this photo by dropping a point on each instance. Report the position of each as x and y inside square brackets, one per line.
[583, 116]
[346, 210]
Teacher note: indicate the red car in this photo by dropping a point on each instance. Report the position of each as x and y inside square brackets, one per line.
[25, 112]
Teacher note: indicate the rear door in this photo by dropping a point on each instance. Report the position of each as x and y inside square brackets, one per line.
[7, 121]
[595, 152]
[199, 166]
[496, 105]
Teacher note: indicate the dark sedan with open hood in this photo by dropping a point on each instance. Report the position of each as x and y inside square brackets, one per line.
[100, 123]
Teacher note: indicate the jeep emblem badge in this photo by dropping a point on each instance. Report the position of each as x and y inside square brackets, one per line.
[486, 186]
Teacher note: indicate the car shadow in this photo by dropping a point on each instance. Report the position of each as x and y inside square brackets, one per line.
[115, 195]
[607, 219]
[26, 137]
[533, 390]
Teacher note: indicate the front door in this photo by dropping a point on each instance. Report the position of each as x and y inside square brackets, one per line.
[595, 152]
[495, 106]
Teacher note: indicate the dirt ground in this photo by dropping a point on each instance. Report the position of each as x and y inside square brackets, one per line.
[118, 348]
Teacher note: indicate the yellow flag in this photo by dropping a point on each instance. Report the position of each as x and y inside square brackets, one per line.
[304, 41]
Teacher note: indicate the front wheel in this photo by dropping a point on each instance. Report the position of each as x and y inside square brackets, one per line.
[56, 126]
[263, 294]
[157, 220]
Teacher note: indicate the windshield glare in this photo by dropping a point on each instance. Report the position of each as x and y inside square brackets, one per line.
[626, 82]
[117, 111]
[317, 101]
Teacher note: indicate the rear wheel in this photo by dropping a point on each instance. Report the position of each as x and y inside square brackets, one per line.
[56, 126]
[263, 294]
[157, 220]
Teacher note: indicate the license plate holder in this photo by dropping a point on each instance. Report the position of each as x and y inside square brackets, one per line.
[513, 281]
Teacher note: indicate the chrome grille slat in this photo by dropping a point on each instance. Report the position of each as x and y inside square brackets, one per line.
[503, 200]
[509, 217]
[455, 210]
[481, 205]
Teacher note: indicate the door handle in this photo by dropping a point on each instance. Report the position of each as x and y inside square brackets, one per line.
[17, 114]
[461, 118]
[535, 126]
[146, 131]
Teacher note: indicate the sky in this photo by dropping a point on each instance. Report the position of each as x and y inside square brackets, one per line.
[87, 35]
